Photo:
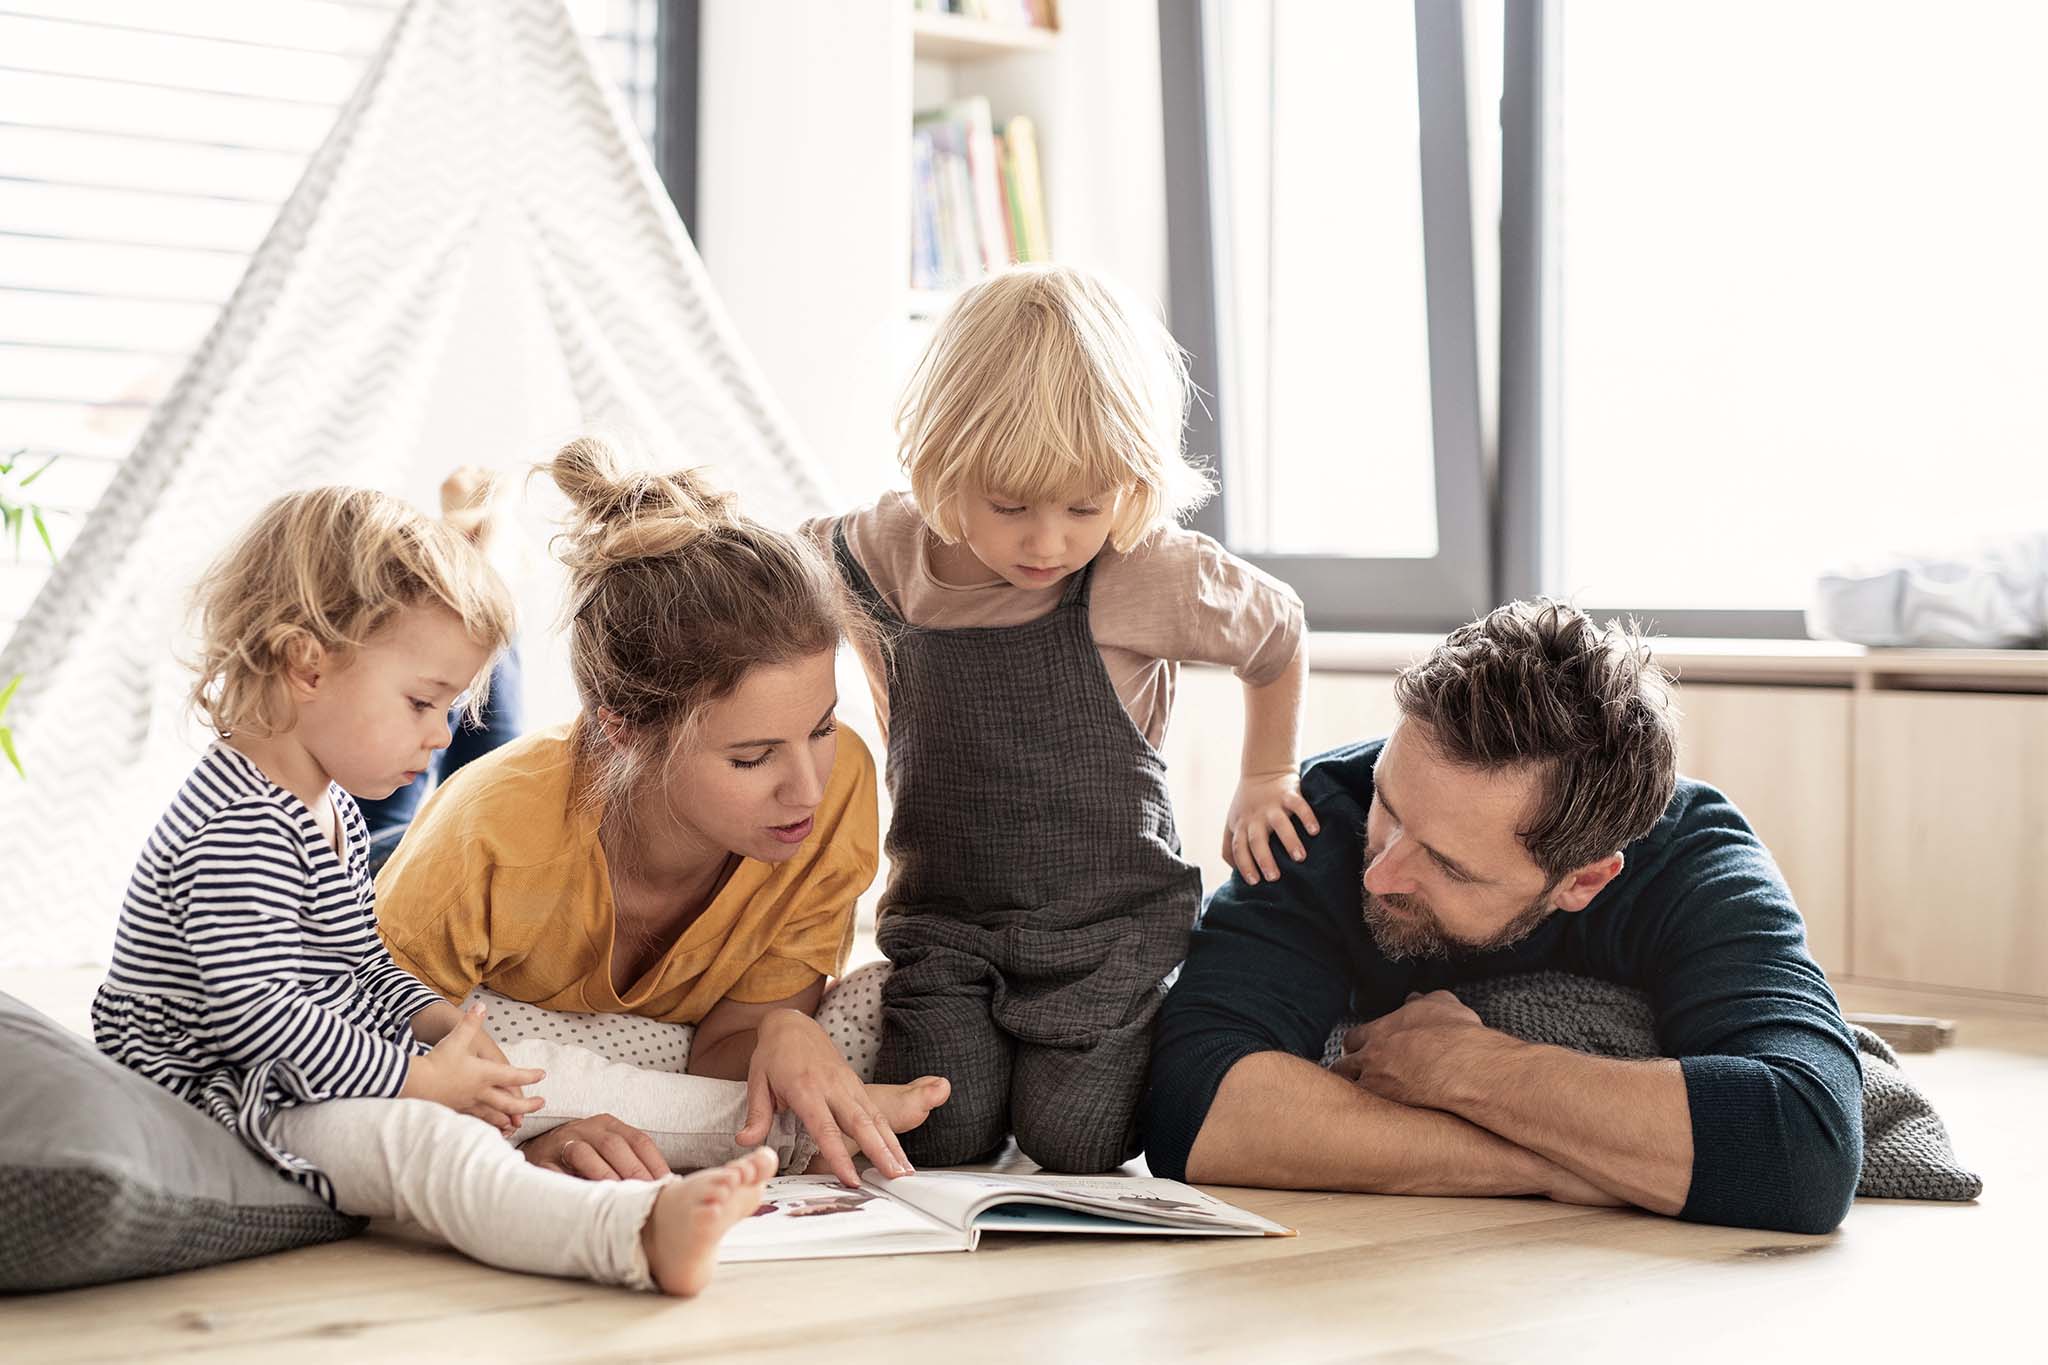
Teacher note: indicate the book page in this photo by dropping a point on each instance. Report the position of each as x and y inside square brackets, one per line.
[950, 1197]
[956, 1198]
[1154, 1200]
[804, 1217]
[1036, 1217]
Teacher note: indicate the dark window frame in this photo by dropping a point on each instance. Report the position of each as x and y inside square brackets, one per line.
[1497, 529]
[1352, 592]
[677, 37]
[1530, 453]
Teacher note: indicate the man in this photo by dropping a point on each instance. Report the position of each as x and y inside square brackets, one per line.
[1524, 815]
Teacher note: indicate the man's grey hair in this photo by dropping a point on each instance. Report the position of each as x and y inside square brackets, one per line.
[1540, 684]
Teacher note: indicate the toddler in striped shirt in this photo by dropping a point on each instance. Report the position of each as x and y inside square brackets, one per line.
[248, 976]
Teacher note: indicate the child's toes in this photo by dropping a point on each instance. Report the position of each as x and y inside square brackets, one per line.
[693, 1213]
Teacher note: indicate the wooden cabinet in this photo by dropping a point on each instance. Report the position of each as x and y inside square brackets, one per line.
[1201, 750]
[1205, 742]
[1782, 755]
[1343, 708]
[1911, 825]
[1951, 837]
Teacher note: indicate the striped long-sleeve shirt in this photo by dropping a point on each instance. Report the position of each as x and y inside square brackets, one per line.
[248, 974]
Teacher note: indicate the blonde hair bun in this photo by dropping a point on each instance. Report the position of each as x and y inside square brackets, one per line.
[675, 593]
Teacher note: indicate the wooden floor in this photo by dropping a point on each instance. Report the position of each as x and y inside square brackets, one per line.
[1369, 1278]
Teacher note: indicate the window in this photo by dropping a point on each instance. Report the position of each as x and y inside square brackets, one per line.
[1799, 292]
[144, 150]
[1768, 289]
[1318, 203]
[1323, 282]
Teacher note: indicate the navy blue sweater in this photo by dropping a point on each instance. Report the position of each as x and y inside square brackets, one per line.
[1699, 920]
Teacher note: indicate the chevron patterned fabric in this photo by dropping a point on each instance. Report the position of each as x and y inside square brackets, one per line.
[478, 262]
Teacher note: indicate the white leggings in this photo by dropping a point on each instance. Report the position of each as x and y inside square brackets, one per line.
[632, 1068]
[455, 1177]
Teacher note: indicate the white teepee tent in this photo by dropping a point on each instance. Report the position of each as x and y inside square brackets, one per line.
[478, 262]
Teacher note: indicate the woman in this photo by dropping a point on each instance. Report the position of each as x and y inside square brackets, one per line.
[688, 851]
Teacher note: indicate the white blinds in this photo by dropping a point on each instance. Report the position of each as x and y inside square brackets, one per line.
[145, 146]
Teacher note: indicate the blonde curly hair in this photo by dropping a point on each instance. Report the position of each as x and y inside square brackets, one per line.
[320, 572]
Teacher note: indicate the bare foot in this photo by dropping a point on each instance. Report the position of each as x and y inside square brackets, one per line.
[693, 1212]
[904, 1107]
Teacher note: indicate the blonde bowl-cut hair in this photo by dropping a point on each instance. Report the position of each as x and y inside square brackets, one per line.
[1047, 382]
[674, 596]
[319, 573]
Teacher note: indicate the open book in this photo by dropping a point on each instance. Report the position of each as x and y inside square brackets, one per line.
[804, 1217]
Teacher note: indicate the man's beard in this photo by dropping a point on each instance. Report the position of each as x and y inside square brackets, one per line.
[1403, 927]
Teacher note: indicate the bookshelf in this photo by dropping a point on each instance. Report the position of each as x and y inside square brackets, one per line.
[955, 38]
[977, 187]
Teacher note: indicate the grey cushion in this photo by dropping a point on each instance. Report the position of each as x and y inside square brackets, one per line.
[107, 1176]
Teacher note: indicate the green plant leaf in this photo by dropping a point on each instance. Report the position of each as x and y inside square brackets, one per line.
[39, 473]
[7, 693]
[7, 747]
[44, 532]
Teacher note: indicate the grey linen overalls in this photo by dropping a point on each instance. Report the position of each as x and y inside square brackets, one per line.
[1037, 897]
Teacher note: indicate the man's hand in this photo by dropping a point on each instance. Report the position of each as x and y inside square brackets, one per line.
[597, 1148]
[1406, 1056]
[1433, 1053]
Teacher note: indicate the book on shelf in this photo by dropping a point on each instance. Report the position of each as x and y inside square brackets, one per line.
[977, 199]
[811, 1217]
[1020, 145]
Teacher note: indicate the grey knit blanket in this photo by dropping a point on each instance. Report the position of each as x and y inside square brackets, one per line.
[1906, 1152]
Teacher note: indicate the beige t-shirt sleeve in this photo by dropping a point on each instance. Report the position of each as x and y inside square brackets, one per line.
[859, 524]
[1183, 597]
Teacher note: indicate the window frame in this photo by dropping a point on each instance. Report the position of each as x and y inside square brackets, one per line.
[1350, 592]
[1498, 526]
[1530, 457]
[677, 41]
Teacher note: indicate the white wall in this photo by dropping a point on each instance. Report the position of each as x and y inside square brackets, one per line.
[804, 188]
[804, 205]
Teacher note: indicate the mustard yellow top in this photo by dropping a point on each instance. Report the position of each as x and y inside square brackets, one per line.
[501, 882]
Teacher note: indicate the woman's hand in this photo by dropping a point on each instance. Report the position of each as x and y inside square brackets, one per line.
[1265, 808]
[597, 1148]
[462, 1073]
[796, 1067]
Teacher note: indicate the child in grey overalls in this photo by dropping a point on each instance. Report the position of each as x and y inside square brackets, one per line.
[1035, 598]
